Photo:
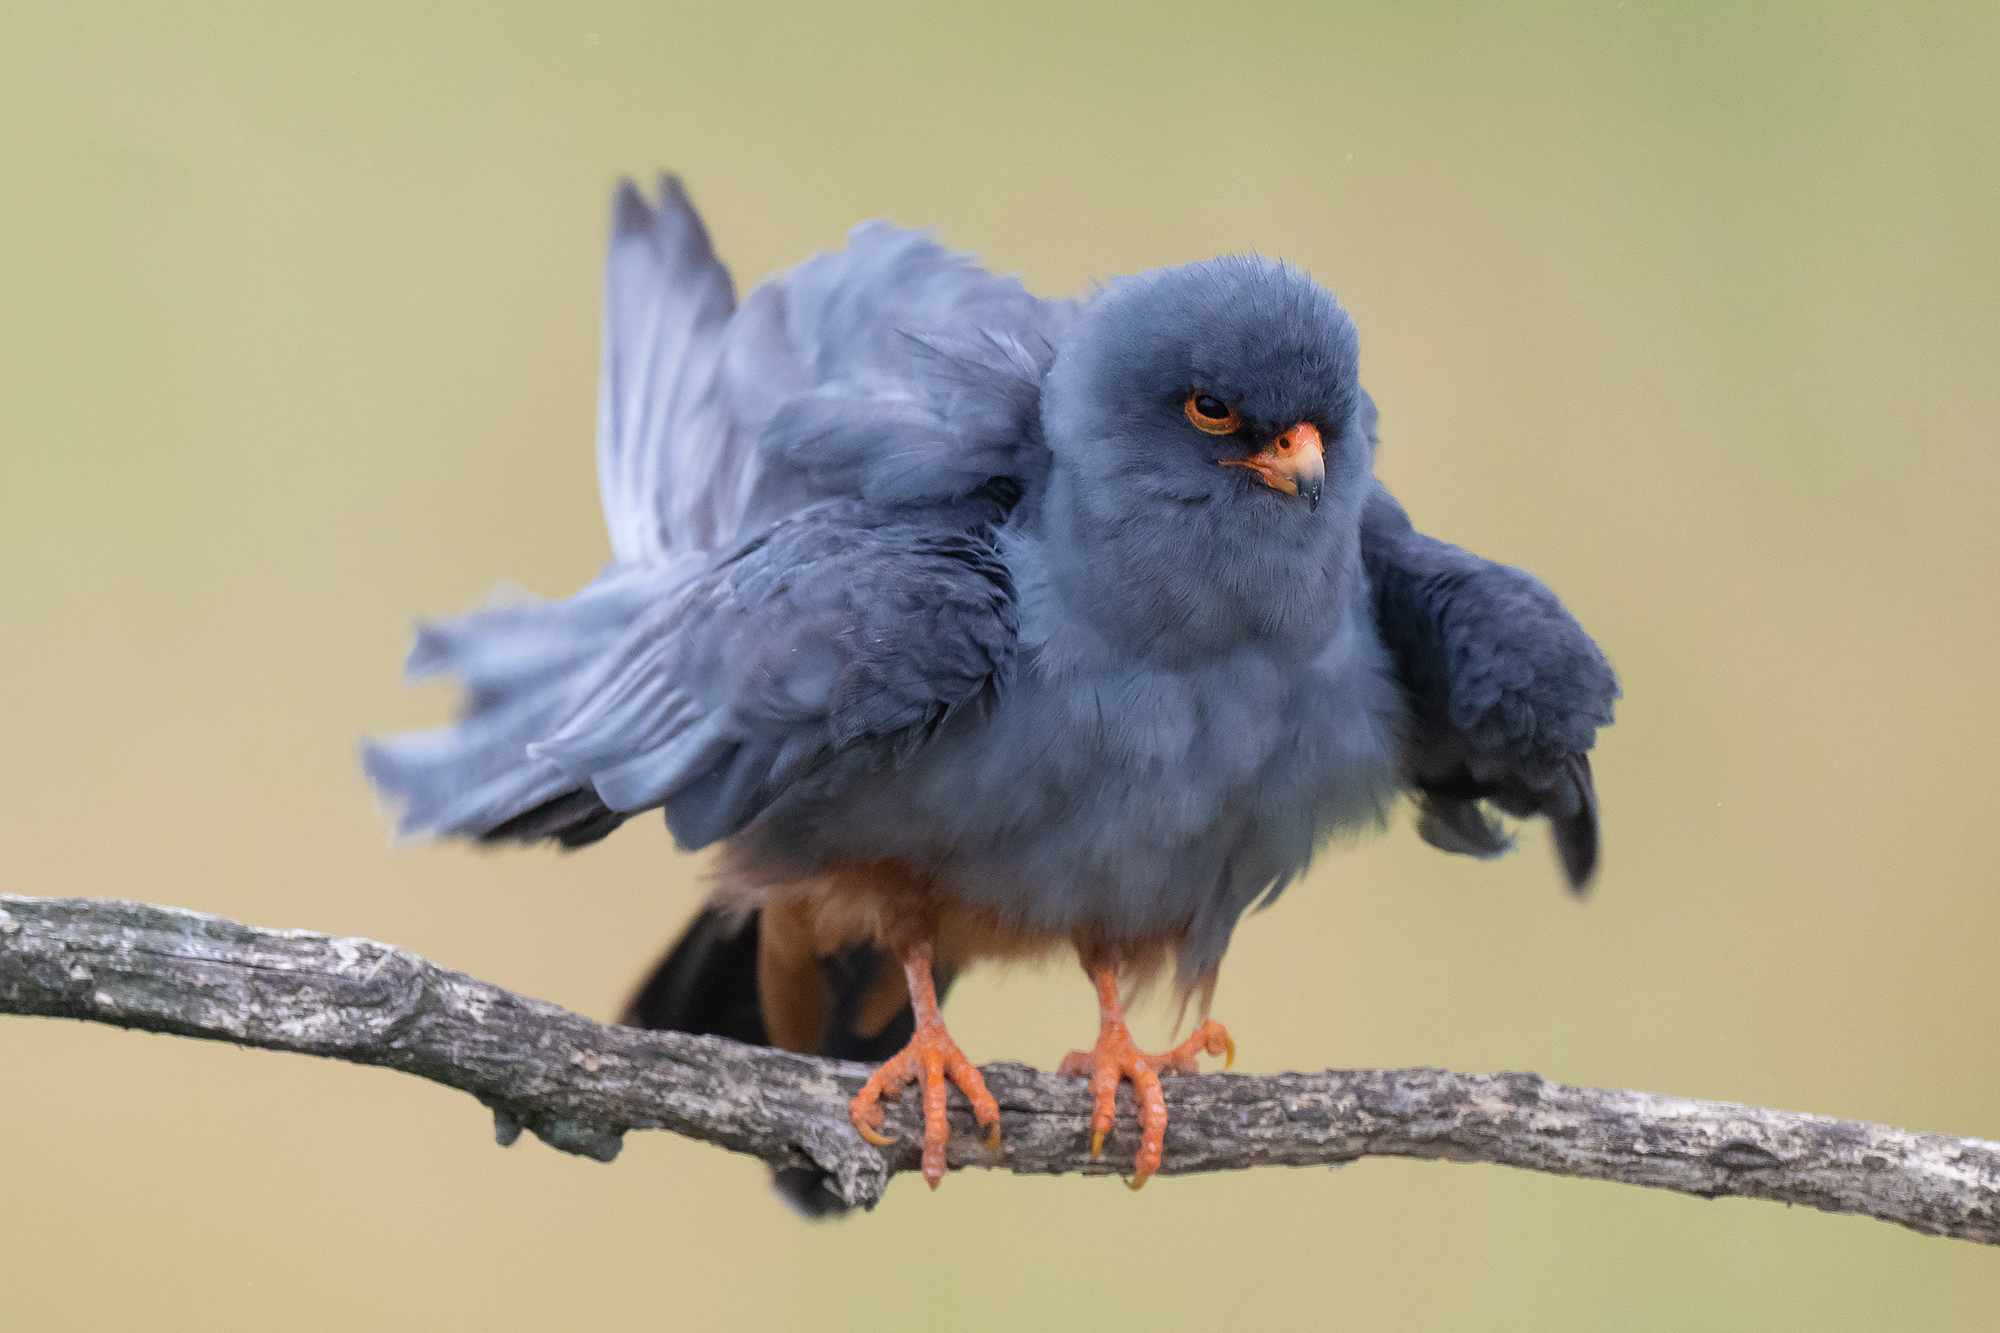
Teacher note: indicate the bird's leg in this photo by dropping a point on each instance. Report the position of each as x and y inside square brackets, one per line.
[1117, 1057]
[933, 1058]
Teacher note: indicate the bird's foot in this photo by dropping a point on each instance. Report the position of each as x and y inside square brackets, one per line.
[935, 1060]
[1116, 1056]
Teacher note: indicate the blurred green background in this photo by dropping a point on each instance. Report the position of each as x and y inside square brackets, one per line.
[1692, 309]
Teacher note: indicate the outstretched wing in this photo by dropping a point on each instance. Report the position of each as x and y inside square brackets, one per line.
[892, 369]
[835, 643]
[671, 448]
[1505, 692]
[890, 372]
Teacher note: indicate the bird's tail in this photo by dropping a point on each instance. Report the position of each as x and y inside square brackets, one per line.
[713, 981]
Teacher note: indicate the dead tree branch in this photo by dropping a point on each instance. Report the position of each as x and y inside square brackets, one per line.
[580, 1085]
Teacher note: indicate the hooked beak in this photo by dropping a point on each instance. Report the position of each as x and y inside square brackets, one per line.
[1294, 463]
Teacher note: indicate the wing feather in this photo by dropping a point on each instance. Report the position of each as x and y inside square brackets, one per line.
[892, 369]
[1505, 693]
[665, 441]
[746, 454]
[835, 644]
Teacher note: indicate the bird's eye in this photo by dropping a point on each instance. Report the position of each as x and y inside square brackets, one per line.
[1211, 415]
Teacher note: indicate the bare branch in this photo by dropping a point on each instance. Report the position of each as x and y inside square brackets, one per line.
[581, 1085]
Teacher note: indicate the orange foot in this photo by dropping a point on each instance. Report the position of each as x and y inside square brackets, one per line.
[935, 1057]
[1117, 1057]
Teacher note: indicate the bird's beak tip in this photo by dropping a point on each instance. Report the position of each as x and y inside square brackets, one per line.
[1294, 463]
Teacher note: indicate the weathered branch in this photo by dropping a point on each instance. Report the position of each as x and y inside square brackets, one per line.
[580, 1085]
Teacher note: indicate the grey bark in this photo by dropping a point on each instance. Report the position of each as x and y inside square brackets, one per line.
[580, 1085]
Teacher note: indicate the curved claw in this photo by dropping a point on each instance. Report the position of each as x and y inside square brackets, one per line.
[878, 1139]
[992, 1143]
[1115, 1058]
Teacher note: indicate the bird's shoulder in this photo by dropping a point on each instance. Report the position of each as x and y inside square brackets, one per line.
[925, 371]
[876, 570]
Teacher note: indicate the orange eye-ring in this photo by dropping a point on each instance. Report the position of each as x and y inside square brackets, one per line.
[1211, 415]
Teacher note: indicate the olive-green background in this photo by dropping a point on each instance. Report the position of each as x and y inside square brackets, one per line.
[1692, 310]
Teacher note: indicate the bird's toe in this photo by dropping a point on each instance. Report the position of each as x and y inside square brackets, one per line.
[935, 1063]
[1117, 1059]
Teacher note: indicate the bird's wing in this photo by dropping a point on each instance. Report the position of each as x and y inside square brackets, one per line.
[891, 369]
[890, 372]
[670, 452]
[837, 641]
[1505, 692]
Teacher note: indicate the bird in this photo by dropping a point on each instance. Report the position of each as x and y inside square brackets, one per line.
[972, 626]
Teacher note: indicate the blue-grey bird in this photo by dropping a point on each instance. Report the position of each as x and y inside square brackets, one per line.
[972, 625]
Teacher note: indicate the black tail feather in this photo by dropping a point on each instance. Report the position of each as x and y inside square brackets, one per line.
[707, 984]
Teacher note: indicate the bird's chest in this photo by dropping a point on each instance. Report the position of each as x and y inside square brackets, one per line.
[1128, 792]
[1169, 752]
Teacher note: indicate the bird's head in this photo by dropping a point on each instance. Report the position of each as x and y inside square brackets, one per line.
[1206, 426]
[1230, 382]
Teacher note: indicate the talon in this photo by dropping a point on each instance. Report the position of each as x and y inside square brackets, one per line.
[1229, 1050]
[933, 1062]
[1116, 1058]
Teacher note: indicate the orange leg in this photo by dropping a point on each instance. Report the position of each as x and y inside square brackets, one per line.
[1116, 1057]
[934, 1058]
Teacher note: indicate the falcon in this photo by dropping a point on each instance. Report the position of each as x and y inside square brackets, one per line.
[974, 626]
